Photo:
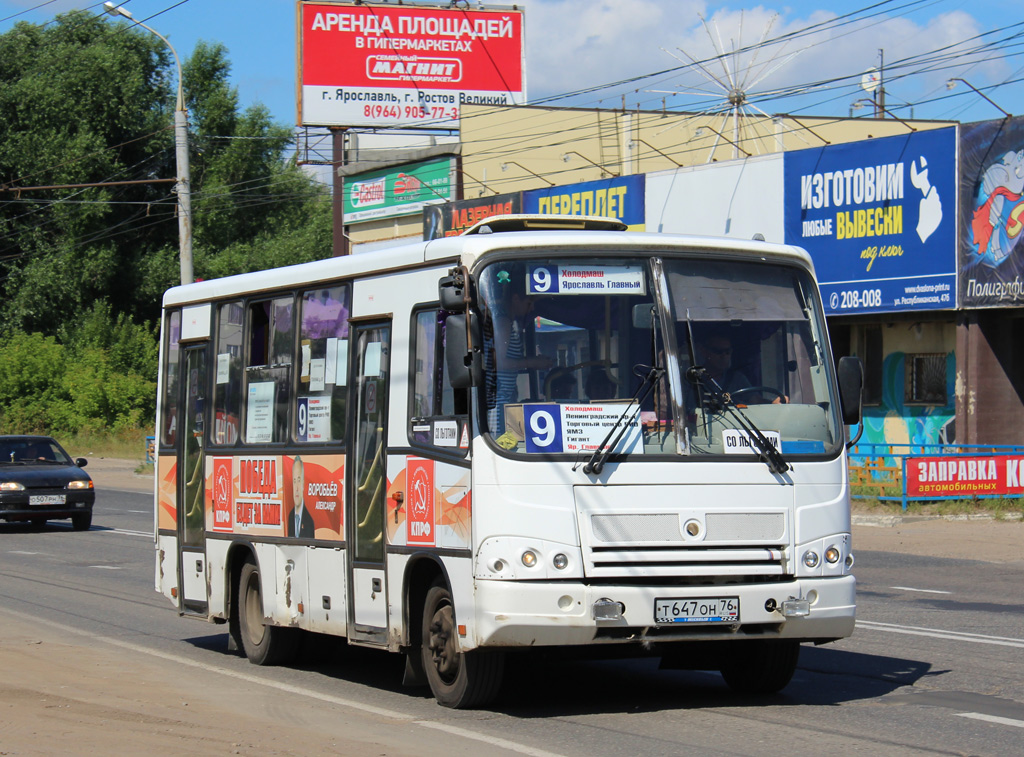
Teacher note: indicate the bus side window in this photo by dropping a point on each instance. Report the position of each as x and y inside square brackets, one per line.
[268, 372]
[433, 401]
[227, 396]
[323, 364]
[171, 377]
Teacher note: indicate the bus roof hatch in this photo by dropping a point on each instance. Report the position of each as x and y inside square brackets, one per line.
[532, 222]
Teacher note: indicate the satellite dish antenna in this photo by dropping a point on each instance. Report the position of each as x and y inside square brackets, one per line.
[870, 80]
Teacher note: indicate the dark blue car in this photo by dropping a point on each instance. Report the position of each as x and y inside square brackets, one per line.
[39, 481]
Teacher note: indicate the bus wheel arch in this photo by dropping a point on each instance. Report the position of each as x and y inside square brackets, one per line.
[238, 553]
[420, 574]
[263, 643]
[458, 679]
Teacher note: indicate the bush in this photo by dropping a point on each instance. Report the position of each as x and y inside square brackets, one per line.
[101, 379]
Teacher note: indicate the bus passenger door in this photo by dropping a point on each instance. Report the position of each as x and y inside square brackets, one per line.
[366, 481]
[191, 483]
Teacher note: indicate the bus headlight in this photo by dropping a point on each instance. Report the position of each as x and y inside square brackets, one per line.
[811, 558]
[529, 558]
[560, 561]
[832, 555]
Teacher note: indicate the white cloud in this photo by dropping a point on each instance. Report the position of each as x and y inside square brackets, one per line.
[574, 44]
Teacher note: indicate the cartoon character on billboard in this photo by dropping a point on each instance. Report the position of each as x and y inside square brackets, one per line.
[999, 213]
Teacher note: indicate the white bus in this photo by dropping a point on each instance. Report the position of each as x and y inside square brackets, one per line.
[542, 433]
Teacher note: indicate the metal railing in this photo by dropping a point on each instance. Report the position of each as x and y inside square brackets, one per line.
[951, 471]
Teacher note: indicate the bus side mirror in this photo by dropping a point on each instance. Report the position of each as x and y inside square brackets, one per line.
[851, 388]
[464, 357]
[454, 291]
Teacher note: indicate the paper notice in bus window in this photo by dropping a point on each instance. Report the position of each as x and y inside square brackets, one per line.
[223, 368]
[331, 363]
[577, 428]
[318, 418]
[371, 364]
[594, 279]
[736, 442]
[341, 371]
[306, 354]
[259, 422]
[317, 370]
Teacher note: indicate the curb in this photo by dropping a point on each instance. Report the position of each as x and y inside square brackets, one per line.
[890, 521]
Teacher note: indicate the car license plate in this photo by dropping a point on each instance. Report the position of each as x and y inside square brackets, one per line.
[47, 499]
[700, 610]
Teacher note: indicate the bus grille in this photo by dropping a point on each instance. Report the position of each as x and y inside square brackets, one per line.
[654, 545]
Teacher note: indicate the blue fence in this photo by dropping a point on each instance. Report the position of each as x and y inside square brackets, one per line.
[883, 467]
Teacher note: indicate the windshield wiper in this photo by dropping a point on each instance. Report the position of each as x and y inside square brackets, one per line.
[722, 400]
[604, 449]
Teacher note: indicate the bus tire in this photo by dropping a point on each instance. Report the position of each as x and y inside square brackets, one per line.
[460, 680]
[263, 644]
[761, 667]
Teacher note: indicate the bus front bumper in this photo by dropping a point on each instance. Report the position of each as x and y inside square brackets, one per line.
[534, 614]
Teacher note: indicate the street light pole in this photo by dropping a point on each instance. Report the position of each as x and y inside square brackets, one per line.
[952, 83]
[183, 187]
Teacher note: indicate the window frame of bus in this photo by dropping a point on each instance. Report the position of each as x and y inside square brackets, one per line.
[250, 303]
[342, 423]
[242, 359]
[439, 382]
[170, 388]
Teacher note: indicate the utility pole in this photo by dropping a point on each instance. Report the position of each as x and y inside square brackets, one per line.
[180, 151]
[880, 99]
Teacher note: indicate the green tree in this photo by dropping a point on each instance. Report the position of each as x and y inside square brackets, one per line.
[82, 270]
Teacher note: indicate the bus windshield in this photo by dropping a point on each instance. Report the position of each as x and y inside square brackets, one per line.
[748, 340]
[571, 347]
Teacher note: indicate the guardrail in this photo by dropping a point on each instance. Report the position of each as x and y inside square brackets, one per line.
[929, 472]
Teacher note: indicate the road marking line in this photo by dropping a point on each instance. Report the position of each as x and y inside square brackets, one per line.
[974, 638]
[992, 719]
[127, 532]
[19, 552]
[288, 688]
[490, 740]
[923, 591]
[106, 567]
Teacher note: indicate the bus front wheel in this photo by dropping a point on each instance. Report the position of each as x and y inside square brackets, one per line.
[762, 666]
[460, 680]
[263, 644]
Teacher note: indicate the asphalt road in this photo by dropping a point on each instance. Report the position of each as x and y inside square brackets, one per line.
[936, 665]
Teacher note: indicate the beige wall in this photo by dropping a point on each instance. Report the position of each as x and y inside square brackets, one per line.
[541, 147]
[532, 140]
[918, 338]
[385, 229]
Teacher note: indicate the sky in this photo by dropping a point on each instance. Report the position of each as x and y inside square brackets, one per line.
[575, 45]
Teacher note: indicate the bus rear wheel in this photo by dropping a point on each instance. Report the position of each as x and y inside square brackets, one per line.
[761, 667]
[263, 644]
[461, 680]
